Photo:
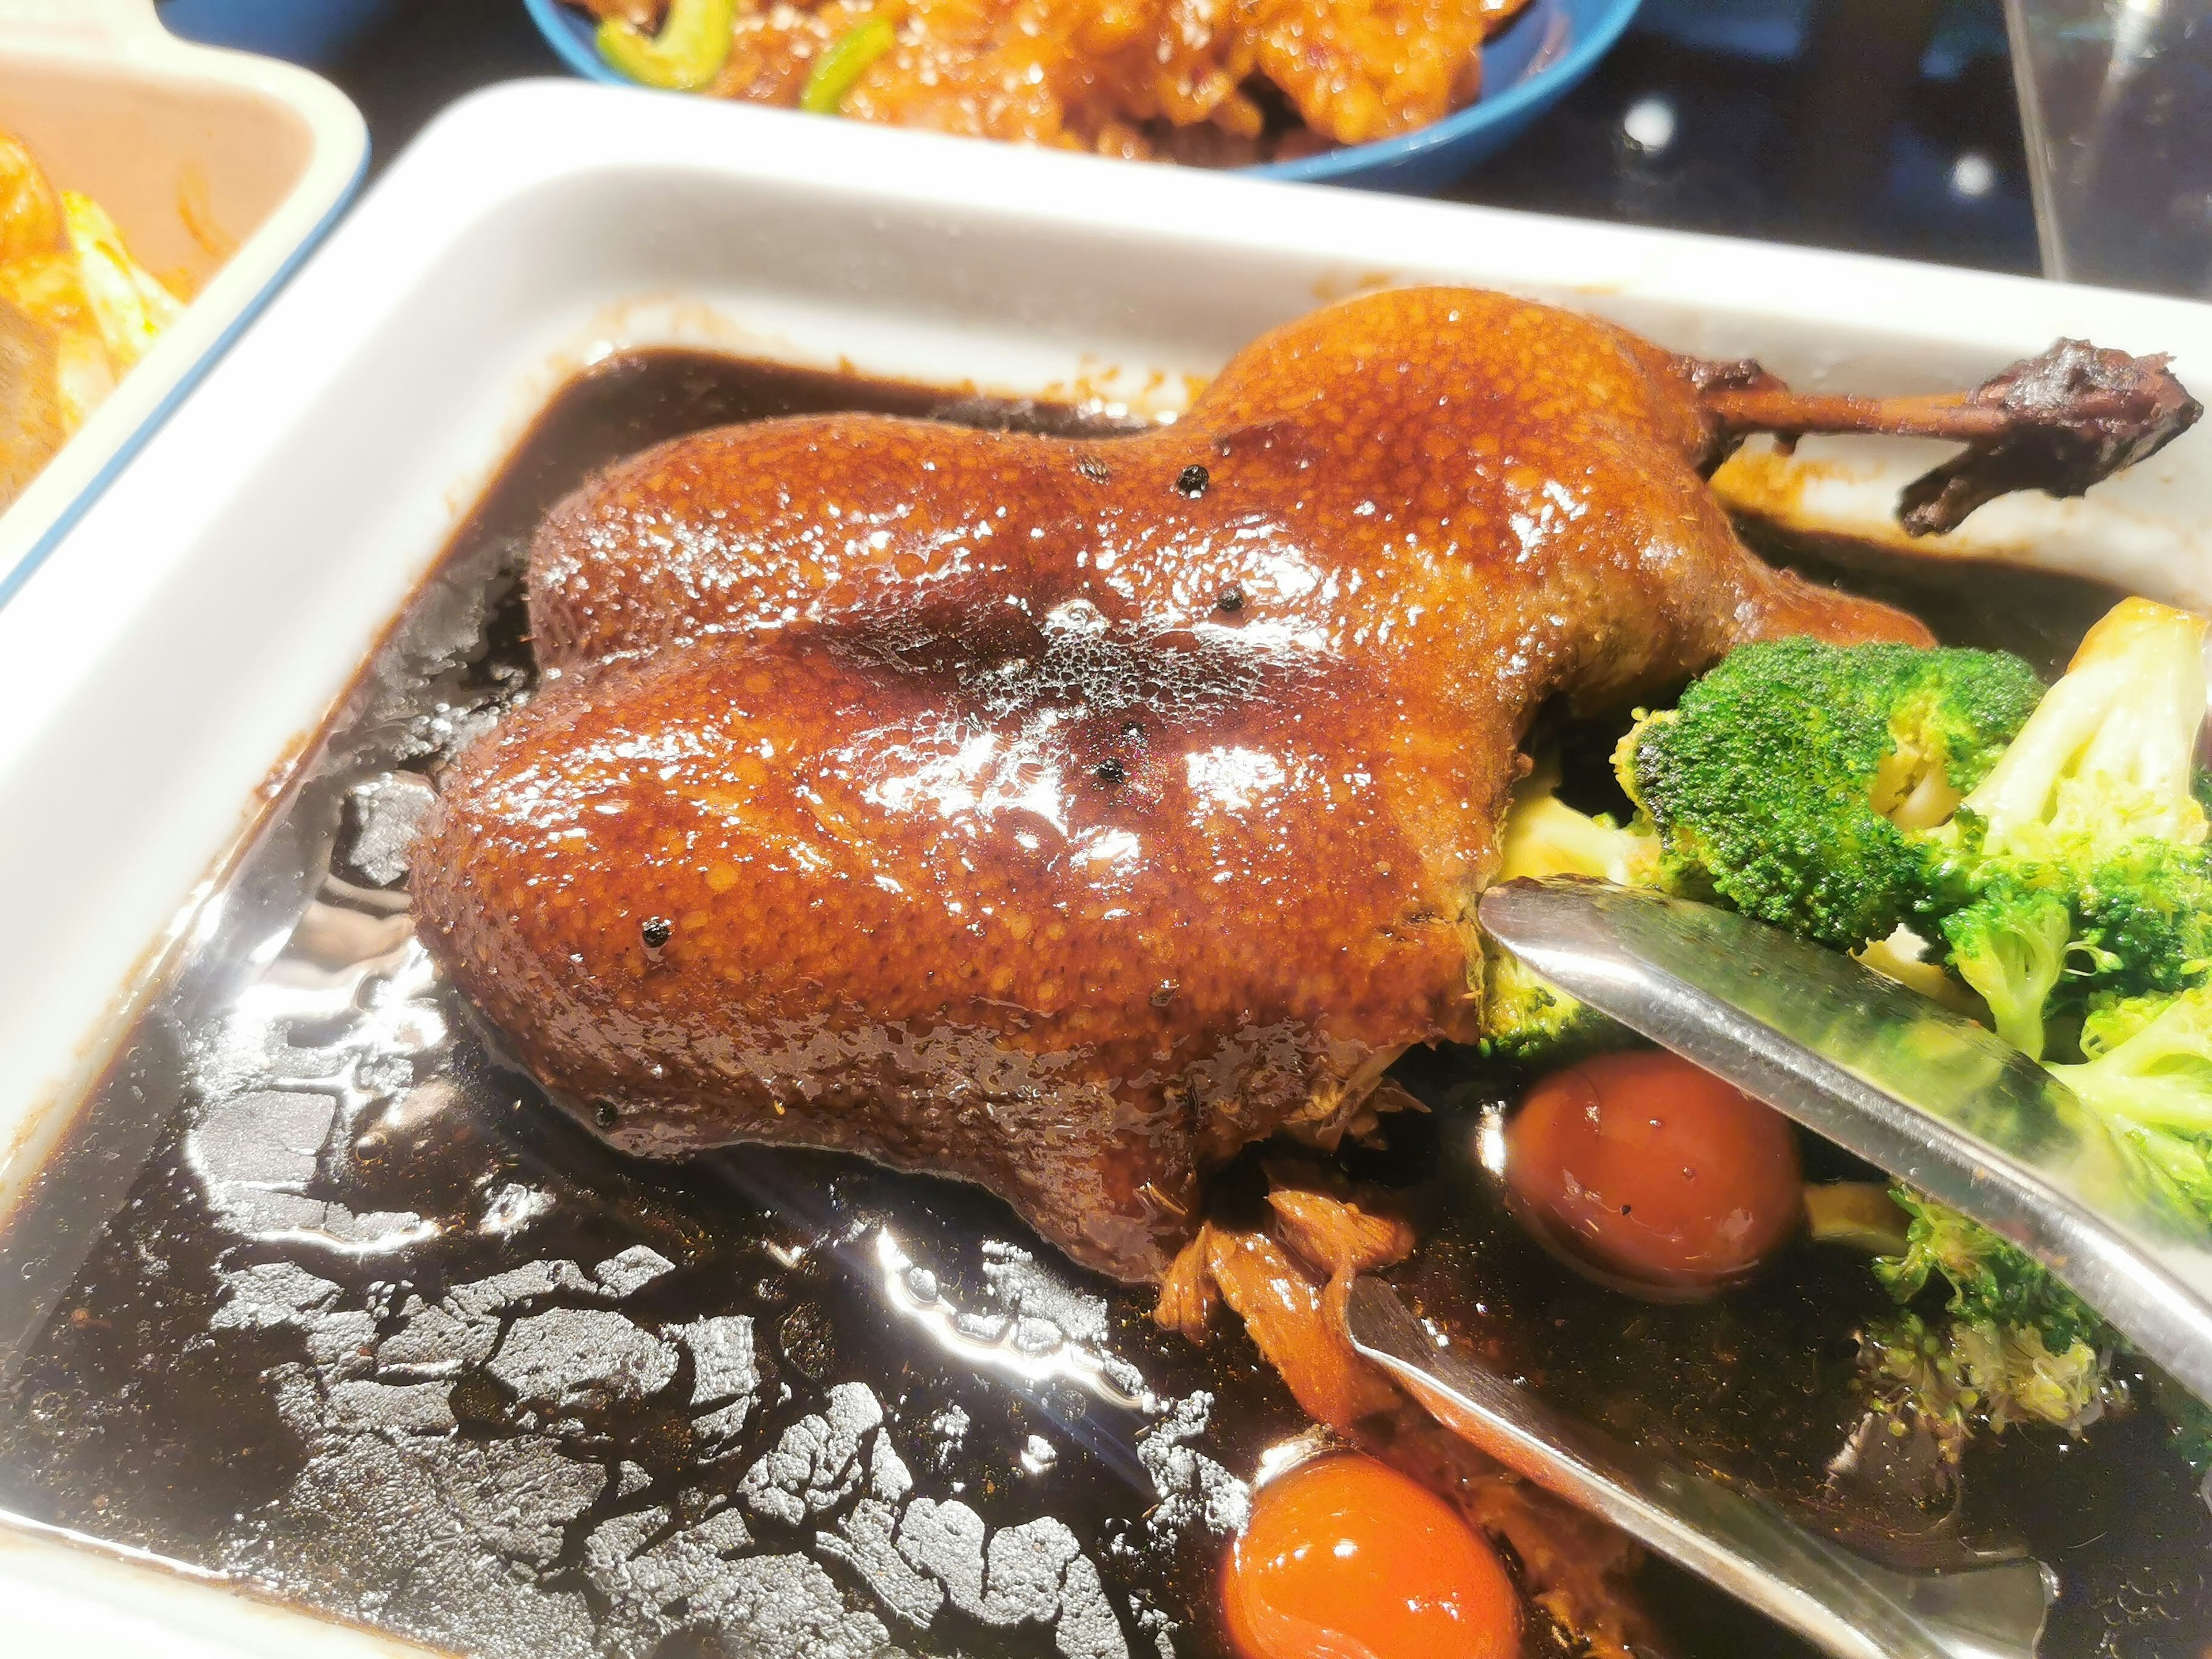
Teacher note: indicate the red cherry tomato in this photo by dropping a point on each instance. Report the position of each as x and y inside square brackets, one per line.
[1347, 1558]
[1666, 1181]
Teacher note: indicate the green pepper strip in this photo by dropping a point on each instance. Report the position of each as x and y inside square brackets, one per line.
[693, 40]
[845, 63]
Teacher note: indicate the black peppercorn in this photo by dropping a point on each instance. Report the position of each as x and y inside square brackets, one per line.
[1231, 599]
[656, 932]
[1192, 481]
[608, 1112]
[1111, 771]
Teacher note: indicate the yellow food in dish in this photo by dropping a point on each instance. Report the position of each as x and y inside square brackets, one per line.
[1218, 82]
[77, 312]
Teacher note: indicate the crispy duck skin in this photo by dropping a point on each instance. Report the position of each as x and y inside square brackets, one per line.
[1063, 815]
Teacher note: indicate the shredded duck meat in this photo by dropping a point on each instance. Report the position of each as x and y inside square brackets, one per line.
[1287, 1281]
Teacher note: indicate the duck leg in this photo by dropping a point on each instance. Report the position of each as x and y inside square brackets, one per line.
[2059, 422]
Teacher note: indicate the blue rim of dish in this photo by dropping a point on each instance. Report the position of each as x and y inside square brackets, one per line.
[12, 580]
[565, 30]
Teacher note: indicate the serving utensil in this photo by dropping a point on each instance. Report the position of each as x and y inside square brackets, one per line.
[1906, 1084]
[1849, 1607]
[1929, 1095]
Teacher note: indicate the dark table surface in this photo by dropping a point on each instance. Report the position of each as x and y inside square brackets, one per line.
[1884, 125]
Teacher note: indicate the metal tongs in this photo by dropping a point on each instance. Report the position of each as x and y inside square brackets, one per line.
[1847, 1606]
[1885, 1073]
[1904, 1083]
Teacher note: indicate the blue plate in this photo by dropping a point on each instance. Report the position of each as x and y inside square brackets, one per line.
[1538, 59]
[315, 33]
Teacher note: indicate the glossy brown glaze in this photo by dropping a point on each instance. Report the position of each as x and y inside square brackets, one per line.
[1064, 814]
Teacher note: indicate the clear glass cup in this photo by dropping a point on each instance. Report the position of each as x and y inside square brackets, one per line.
[2116, 101]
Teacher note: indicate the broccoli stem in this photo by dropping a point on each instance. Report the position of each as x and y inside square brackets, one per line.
[2110, 754]
[1858, 1214]
[2012, 949]
[2160, 1076]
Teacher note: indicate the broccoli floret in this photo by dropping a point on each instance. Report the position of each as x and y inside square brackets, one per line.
[1961, 1374]
[2090, 815]
[1526, 1020]
[2109, 757]
[2052, 848]
[1797, 780]
[1523, 1018]
[2112, 1019]
[2052, 844]
[1990, 1281]
[2011, 946]
[2016, 1346]
[2148, 1080]
[2143, 918]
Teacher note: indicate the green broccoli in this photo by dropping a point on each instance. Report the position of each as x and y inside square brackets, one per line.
[2017, 1346]
[1991, 1283]
[1956, 1375]
[2149, 1081]
[2011, 945]
[2109, 757]
[1524, 1018]
[2050, 845]
[2088, 824]
[1797, 780]
[2050, 849]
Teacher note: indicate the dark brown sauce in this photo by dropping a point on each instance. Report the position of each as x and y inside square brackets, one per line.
[285, 1356]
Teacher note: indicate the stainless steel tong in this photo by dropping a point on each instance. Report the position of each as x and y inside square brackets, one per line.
[1848, 1607]
[1904, 1083]
[1886, 1073]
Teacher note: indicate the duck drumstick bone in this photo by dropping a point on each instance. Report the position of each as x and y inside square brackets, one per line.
[2059, 422]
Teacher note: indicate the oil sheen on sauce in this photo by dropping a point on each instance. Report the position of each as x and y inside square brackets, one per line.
[366, 1322]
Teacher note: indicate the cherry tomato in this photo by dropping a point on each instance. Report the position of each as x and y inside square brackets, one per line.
[1347, 1558]
[1666, 1181]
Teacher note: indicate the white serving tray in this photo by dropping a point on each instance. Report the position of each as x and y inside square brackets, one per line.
[161, 671]
[171, 138]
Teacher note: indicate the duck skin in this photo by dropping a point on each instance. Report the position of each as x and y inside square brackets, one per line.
[1063, 815]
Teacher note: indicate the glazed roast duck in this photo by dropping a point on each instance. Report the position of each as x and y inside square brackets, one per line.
[1063, 815]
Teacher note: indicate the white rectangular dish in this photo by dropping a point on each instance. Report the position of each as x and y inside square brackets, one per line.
[220, 168]
[165, 669]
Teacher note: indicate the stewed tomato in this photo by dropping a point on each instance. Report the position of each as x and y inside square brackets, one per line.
[1653, 1172]
[1347, 1558]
